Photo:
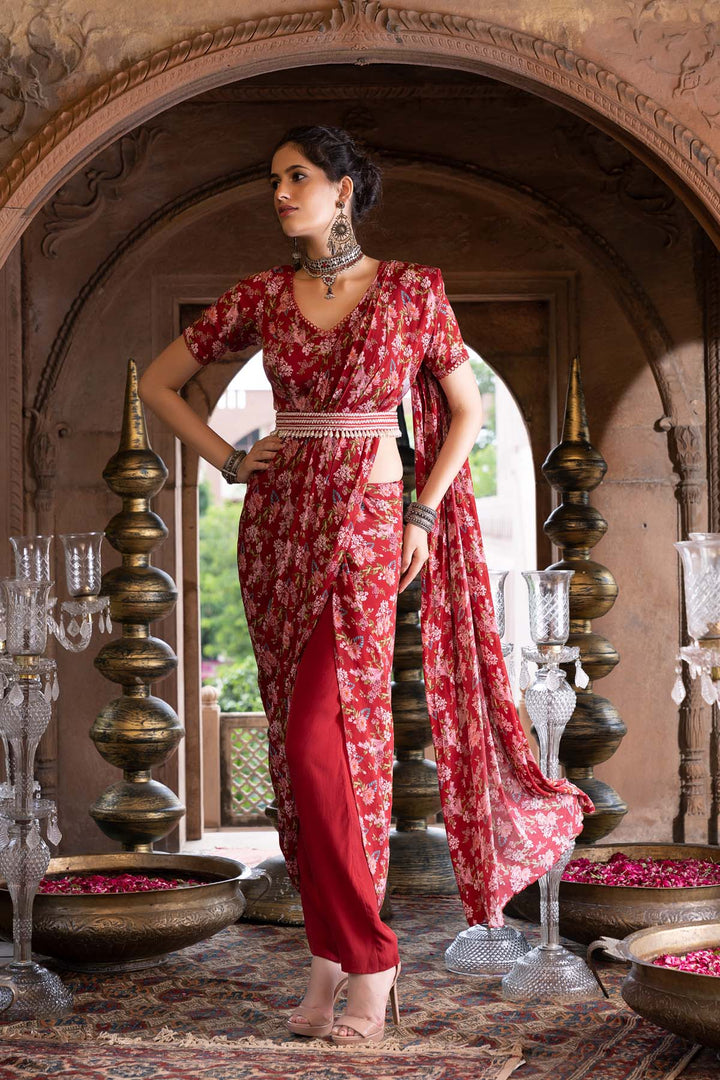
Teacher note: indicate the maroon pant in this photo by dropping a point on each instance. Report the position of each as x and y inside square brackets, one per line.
[338, 896]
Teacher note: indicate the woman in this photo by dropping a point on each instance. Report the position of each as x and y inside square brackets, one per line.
[322, 554]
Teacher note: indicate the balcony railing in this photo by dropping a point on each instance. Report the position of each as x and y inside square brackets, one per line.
[236, 786]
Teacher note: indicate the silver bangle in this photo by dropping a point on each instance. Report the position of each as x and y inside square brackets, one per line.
[420, 515]
[229, 469]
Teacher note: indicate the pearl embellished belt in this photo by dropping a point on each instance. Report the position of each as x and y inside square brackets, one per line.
[358, 424]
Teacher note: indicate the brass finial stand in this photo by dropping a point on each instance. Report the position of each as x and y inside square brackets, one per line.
[136, 731]
[574, 468]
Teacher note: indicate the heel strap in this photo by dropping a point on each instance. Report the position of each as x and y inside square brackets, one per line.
[359, 1024]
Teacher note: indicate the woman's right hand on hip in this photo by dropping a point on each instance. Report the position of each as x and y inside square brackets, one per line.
[259, 457]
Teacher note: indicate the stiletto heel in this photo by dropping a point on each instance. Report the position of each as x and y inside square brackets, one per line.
[365, 1032]
[395, 1004]
[316, 1031]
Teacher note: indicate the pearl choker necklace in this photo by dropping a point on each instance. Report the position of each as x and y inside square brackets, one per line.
[330, 266]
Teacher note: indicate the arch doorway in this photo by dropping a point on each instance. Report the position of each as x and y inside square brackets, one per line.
[545, 253]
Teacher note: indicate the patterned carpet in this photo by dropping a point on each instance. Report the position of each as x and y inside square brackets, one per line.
[214, 1012]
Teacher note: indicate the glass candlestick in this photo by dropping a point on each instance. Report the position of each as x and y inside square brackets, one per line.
[26, 608]
[550, 972]
[28, 686]
[701, 575]
[25, 710]
[481, 949]
[32, 556]
[83, 567]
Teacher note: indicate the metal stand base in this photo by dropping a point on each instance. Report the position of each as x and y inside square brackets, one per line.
[37, 993]
[486, 950]
[550, 973]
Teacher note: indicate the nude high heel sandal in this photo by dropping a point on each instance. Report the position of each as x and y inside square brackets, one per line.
[366, 1033]
[316, 1031]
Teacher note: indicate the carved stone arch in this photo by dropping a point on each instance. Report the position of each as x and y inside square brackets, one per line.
[354, 31]
[425, 168]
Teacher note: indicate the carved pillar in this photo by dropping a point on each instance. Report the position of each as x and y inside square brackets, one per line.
[575, 468]
[711, 307]
[691, 824]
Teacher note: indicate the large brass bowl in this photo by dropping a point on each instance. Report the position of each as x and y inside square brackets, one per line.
[128, 931]
[679, 1001]
[592, 911]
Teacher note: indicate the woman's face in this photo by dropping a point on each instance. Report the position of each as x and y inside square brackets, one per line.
[303, 196]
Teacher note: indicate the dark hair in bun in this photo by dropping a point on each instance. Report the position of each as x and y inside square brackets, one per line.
[335, 151]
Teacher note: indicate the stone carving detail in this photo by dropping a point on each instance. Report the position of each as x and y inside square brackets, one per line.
[366, 24]
[683, 41]
[103, 185]
[43, 453]
[637, 187]
[37, 54]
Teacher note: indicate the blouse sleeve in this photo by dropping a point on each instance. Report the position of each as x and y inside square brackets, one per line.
[446, 350]
[230, 324]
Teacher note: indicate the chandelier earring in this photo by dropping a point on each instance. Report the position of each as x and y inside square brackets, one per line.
[341, 236]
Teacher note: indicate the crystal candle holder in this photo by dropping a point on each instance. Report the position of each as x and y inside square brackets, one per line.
[550, 972]
[700, 558]
[26, 606]
[32, 557]
[83, 568]
[549, 597]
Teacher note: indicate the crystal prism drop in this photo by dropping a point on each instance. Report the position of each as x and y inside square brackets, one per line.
[55, 688]
[33, 837]
[47, 692]
[108, 624]
[53, 832]
[101, 623]
[678, 691]
[707, 689]
[15, 697]
[73, 627]
[582, 678]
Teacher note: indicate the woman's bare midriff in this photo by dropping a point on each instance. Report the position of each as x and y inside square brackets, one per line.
[387, 464]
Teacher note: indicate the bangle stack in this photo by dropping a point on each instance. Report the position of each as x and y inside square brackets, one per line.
[229, 469]
[421, 515]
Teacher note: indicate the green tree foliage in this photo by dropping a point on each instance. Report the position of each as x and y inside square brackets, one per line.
[483, 456]
[224, 632]
[237, 686]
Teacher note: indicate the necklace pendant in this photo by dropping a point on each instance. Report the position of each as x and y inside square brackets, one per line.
[329, 280]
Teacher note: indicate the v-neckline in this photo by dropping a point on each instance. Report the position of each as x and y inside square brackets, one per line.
[331, 329]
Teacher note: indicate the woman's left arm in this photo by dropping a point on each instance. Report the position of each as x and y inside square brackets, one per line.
[466, 416]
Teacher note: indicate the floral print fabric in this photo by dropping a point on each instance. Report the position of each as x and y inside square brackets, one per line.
[506, 823]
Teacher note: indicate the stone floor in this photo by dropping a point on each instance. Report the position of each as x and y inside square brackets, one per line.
[249, 846]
